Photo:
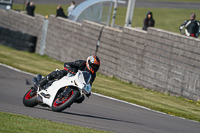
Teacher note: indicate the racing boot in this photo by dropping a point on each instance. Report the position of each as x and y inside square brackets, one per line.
[51, 77]
[48, 78]
[43, 82]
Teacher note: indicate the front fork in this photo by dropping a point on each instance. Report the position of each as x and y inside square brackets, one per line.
[65, 93]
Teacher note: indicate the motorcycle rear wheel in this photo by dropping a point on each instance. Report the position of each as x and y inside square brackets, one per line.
[60, 104]
[30, 101]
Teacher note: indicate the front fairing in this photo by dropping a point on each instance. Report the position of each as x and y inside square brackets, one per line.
[81, 81]
[55, 87]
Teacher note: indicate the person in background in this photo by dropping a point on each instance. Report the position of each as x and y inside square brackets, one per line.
[71, 8]
[191, 26]
[30, 8]
[148, 21]
[60, 12]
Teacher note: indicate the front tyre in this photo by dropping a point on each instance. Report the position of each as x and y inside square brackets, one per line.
[30, 101]
[60, 104]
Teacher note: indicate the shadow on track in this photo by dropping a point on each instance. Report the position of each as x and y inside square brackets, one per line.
[88, 116]
[98, 117]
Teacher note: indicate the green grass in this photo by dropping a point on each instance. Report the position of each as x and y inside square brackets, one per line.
[12, 123]
[50, 9]
[166, 19]
[29, 62]
[109, 86]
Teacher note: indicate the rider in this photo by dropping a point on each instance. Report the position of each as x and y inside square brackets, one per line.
[191, 26]
[91, 65]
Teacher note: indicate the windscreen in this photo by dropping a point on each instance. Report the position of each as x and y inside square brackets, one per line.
[87, 76]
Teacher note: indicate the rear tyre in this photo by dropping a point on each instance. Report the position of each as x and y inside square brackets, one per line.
[30, 101]
[60, 104]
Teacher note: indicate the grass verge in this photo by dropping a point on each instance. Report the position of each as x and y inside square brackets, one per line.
[109, 86]
[12, 123]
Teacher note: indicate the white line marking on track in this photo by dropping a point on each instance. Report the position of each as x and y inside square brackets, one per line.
[17, 69]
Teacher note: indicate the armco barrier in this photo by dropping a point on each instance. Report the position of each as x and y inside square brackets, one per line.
[17, 21]
[17, 40]
[156, 59]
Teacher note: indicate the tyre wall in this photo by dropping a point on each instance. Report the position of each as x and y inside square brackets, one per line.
[17, 40]
[21, 22]
[156, 59]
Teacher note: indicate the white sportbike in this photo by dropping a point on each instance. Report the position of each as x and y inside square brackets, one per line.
[60, 94]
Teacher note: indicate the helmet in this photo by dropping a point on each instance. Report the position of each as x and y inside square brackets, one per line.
[93, 63]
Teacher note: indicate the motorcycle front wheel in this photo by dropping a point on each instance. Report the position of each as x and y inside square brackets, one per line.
[60, 104]
[30, 101]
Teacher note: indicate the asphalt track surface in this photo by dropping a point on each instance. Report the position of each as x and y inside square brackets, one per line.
[98, 112]
[139, 3]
